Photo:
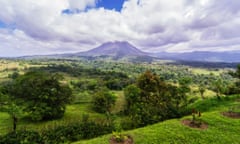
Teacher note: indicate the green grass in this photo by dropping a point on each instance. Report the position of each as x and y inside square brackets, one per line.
[74, 113]
[119, 105]
[221, 130]
[206, 71]
[5, 123]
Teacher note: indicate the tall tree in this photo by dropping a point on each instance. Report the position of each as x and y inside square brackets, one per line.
[152, 100]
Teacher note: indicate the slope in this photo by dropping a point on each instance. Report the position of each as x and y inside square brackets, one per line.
[221, 130]
[114, 49]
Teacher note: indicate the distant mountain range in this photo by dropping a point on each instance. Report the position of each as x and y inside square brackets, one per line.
[123, 50]
[203, 56]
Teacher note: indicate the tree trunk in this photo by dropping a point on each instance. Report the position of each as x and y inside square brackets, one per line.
[14, 123]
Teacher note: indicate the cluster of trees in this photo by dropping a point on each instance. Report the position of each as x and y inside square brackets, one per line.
[152, 100]
[40, 95]
[235, 87]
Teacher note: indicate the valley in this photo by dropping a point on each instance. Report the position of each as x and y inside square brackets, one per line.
[88, 79]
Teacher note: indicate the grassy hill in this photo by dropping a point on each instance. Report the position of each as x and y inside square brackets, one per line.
[221, 129]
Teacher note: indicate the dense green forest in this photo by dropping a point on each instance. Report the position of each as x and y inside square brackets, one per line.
[67, 100]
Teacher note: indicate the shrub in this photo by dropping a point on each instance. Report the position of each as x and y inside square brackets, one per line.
[75, 131]
[103, 101]
[21, 137]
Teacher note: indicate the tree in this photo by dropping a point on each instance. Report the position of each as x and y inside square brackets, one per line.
[15, 113]
[131, 93]
[103, 101]
[41, 94]
[202, 90]
[153, 100]
[238, 72]
[218, 87]
[9, 105]
[184, 84]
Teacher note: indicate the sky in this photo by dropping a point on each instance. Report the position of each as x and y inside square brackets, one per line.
[38, 27]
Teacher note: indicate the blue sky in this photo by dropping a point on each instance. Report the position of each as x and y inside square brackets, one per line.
[110, 4]
[2, 25]
[106, 4]
[30, 27]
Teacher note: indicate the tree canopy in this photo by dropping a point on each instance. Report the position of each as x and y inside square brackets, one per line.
[41, 94]
[152, 100]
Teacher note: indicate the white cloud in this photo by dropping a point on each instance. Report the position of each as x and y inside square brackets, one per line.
[152, 25]
[81, 4]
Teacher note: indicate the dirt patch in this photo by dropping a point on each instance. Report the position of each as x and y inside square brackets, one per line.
[197, 125]
[238, 100]
[129, 140]
[235, 115]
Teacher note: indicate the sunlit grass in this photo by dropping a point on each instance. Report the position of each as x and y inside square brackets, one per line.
[74, 113]
[206, 71]
[221, 130]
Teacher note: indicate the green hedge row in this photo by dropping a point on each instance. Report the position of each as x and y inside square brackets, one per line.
[62, 134]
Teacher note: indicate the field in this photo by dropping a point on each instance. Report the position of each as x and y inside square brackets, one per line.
[86, 78]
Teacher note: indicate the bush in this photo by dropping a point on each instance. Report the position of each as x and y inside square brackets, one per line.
[75, 131]
[21, 137]
[61, 134]
[103, 101]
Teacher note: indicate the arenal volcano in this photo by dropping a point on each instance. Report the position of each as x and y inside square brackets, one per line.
[117, 49]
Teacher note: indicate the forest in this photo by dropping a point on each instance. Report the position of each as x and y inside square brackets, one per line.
[69, 100]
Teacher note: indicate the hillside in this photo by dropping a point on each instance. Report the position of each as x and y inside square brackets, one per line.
[221, 130]
[203, 56]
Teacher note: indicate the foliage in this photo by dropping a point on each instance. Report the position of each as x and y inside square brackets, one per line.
[119, 137]
[196, 121]
[61, 134]
[21, 137]
[153, 100]
[132, 95]
[173, 131]
[103, 101]
[218, 87]
[41, 94]
[75, 131]
[15, 113]
[202, 90]
[237, 73]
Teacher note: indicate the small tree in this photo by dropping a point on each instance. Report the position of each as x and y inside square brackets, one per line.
[218, 87]
[103, 101]
[202, 90]
[15, 113]
[238, 72]
[132, 95]
[7, 104]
